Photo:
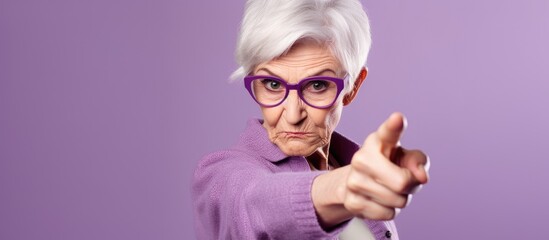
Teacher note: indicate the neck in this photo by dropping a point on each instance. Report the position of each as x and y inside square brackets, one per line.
[319, 159]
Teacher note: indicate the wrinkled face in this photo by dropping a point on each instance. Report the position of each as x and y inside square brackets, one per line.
[295, 127]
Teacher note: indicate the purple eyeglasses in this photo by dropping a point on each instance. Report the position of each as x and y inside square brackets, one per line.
[317, 91]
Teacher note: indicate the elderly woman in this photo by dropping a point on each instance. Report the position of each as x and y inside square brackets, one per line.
[291, 176]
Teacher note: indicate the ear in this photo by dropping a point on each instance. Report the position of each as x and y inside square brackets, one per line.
[349, 97]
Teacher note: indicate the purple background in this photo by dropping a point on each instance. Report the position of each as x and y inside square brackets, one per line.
[106, 107]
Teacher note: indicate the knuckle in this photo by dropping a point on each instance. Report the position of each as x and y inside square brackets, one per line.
[353, 184]
[402, 201]
[388, 214]
[353, 204]
[402, 183]
[359, 162]
[383, 214]
[366, 161]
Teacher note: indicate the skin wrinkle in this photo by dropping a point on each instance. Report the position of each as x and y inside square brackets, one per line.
[293, 115]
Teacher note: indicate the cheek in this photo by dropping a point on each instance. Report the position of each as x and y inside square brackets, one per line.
[333, 118]
[271, 115]
[327, 119]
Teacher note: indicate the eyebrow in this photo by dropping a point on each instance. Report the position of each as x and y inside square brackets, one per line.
[269, 72]
[316, 74]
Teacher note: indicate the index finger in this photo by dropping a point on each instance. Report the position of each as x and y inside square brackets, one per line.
[389, 132]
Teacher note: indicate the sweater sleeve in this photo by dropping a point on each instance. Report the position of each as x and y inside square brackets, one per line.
[236, 197]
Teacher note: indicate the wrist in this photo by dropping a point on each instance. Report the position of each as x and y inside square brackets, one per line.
[327, 193]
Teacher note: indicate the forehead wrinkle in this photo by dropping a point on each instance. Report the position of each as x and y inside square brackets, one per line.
[310, 66]
[302, 61]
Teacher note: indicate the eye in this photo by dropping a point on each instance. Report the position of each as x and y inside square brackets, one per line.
[317, 86]
[271, 84]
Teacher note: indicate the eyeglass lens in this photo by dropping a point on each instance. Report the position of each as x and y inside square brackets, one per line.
[316, 92]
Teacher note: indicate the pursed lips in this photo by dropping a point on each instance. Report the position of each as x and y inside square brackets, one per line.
[296, 134]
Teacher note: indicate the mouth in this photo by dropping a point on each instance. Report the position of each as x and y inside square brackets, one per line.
[296, 134]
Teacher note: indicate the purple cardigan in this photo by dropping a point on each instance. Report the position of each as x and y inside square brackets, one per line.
[254, 191]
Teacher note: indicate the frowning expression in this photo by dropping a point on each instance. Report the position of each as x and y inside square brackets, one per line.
[297, 128]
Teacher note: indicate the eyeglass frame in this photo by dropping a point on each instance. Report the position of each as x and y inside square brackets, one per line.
[340, 84]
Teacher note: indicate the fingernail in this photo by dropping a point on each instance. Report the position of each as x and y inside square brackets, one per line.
[424, 171]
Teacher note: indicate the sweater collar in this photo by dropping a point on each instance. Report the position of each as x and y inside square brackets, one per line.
[256, 139]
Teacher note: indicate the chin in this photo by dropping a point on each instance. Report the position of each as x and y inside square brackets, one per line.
[296, 149]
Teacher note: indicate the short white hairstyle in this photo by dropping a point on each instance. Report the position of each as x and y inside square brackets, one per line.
[270, 28]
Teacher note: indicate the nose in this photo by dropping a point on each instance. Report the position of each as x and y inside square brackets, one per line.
[294, 109]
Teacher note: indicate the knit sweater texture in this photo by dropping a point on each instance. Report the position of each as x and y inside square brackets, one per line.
[254, 191]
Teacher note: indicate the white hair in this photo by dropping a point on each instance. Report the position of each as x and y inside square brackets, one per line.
[271, 27]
